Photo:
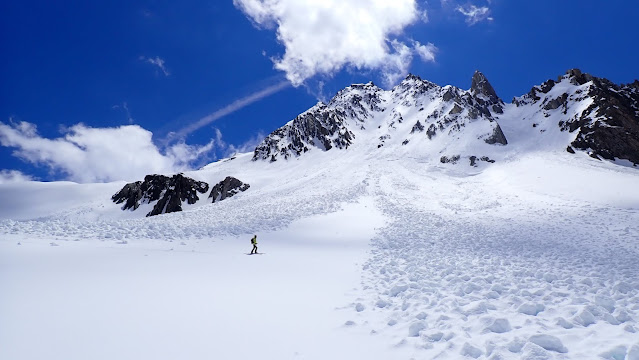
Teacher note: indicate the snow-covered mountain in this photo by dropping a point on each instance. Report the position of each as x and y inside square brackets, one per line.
[421, 120]
[601, 117]
[420, 222]
[597, 116]
[416, 113]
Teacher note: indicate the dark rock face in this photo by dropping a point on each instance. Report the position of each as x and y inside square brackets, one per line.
[319, 127]
[608, 128]
[485, 94]
[130, 195]
[227, 188]
[615, 132]
[497, 137]
[481, 86]
[168, 192]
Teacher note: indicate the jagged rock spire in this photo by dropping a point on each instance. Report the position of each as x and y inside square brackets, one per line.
[481, 86]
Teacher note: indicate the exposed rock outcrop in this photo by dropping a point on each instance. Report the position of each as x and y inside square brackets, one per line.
[320, 127]
[227, 188]
[604, 116]
[168, 192]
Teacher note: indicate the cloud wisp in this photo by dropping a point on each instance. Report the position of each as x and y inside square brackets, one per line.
[323, 37]
[86, 154]
[474, 14]
[228, 109]
[158, 63]
[125, 108]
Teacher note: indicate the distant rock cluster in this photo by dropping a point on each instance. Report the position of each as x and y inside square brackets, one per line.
[169, 193]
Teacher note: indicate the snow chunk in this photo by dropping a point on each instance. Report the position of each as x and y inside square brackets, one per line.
[623, 317]
[359, 307]
[548, 342]
[564, 323]
[469, 350]
[398, 289]
[633, 354]
[618, 353]
[585, 318]
[531, 309]
[415, 328]
[622, 287]
[500, 326]
[516, 345]
[605, 302]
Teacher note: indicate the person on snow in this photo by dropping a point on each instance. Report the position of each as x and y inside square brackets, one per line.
[254, 243]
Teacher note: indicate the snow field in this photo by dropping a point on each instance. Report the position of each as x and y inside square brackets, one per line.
[93, 299]
[533, 257]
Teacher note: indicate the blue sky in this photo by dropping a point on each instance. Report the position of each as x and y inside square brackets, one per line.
[218, 73]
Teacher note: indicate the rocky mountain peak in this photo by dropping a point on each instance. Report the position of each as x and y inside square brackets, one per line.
[481, 87]
[577, 77]
[412, 77]
[603, 116]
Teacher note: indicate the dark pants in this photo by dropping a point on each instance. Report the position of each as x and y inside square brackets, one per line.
[254, 251]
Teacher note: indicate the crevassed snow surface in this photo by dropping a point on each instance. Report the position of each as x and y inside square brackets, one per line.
[535, 256]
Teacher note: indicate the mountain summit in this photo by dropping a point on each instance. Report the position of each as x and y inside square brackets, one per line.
[578, 111]
[416, 114]
[481, 86]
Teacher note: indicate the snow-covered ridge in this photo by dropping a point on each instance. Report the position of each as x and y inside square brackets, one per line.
[578, 111]
[369, 117]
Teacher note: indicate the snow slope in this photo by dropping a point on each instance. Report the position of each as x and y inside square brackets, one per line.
[392, 258]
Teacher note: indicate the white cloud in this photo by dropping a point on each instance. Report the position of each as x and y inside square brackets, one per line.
[424, 17]
[158, 62]
[322, 37]
[88, 154]
[426, 52]
[13, 176]
[398, 64]
[475, 14]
